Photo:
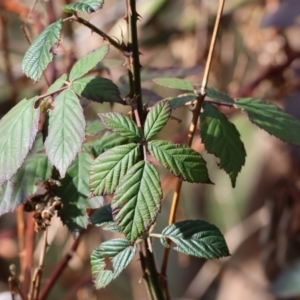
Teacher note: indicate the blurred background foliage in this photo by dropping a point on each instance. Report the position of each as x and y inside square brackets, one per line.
[257, 55]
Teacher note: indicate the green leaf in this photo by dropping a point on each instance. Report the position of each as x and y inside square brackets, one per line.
[108, 141]
[97, 89]
[121, 124]
[157, 118]
[94, 127]
[180, 99]
[272, 119]
[108, 168]
[149, 73]
[181, 160]
[74, 193]
[221, 138]
[103, 217]
[18, 129]
[137, 200]
[175, 83]
[66, 131]
[88, 6]
[286, 285]
[197, 238]
[218, 95]
[16, 191]
[57, 84]
[120, 254]
[40, 53]
[88, 62]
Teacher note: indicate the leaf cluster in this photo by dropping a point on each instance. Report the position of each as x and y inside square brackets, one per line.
[88, 167]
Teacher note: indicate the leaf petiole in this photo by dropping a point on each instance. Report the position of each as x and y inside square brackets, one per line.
[157, 235]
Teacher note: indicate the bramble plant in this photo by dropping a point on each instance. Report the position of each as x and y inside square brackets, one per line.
[43, 144]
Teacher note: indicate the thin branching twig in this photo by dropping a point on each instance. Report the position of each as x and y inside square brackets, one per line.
[106, 37]
[36, 280]
[59, 269]
[191, 134]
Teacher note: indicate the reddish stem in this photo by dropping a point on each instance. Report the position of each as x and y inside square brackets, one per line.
[267, 73]
[59, 270]
[28, 255]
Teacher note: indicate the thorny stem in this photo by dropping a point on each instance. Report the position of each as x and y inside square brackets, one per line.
[134, 58]
[59, 269]
[151, 277]
[191, 134]
[112, 41]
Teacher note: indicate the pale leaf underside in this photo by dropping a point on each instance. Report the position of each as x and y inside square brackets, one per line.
[88, 62]
[119, 252]
[36, 169]
[18, 129]
[66, 131]
[88, 6]
[40, 53]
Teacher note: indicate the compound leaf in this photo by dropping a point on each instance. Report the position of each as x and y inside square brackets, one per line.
[74, 192]
[197, 238]
[272, 119]
[97, 89]
[24, 184]
[88, 6]
[175, 83]
[109, 168]
[88, 62]
[121, 124]
[66, 131]
[40, 53]
[218, 95]
[120, 253]
[157, 118]
[221, 138]
[18, 129]
[181, 160]
[137, 200]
